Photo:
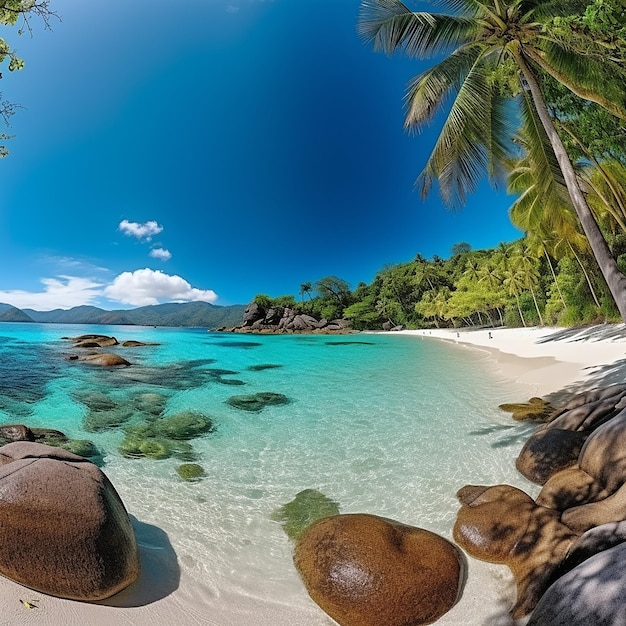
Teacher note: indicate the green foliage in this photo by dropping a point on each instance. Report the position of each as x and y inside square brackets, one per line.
[13, 12]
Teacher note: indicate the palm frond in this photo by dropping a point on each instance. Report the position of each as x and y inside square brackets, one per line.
[430, 90]
[460, 157]
[544, 10]
[586, 76]
[390, 26]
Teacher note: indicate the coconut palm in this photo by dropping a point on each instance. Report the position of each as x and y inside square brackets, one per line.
[497, 49]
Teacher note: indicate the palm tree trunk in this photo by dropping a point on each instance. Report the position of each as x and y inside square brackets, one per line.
[519, 309]
[556, 283]
[536, 305]
[615, 280]
[582, 267]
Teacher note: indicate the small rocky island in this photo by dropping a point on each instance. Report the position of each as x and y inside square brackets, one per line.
[283, 320]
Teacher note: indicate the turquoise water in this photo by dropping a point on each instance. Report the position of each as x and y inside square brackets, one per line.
[386, 424]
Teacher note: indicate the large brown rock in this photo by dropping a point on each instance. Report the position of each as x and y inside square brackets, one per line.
[502, 524]
[365, 570]
[63, 529]
[106, 359]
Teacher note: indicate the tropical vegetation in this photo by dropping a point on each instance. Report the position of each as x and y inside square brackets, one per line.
[532, 92]
[513, 77]
[17, 13]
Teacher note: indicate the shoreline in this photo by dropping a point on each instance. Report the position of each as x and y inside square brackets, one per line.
[553, 363]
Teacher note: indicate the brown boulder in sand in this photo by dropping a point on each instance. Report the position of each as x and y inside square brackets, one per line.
[63, 529]
[502, 524]
[365, 570]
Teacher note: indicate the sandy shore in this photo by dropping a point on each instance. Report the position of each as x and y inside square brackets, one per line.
[553, 362]
[549, 362]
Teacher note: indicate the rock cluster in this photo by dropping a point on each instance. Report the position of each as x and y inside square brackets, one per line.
[103, 359]
[63, 529]
[579, 457]
[285, 320]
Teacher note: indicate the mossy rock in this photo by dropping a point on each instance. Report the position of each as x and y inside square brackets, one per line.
[535, 410]
[307, 507]
[271, 398]
[143, 430]
[150, 403]
[96, 400]
[134, 446]
[96, 421]
[185, 425]
[258, 401]
[190, 471]
[183, 451]
[81, 447]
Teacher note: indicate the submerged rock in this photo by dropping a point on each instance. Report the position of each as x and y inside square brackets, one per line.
[64, 530]
[258, 401]
[190, 471]
[307, 507]
[365, 570]
[184, 425]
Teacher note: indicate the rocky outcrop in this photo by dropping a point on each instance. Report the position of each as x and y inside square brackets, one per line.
[277, 320]
[365, 570]
[63, 529]
[590, 594]
[580, 459]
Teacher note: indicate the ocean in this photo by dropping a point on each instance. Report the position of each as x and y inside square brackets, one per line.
[386, 424]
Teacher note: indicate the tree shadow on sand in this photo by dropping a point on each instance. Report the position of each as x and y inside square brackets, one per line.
[160, 572]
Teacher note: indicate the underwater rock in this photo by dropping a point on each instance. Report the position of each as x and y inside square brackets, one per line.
[190, 471]
[365, 570]
[96, 421]
[258, 401]
[64, 530]
[184, 425]
[307, 507]
[263, 366]
[95, 400]
[151, 403]
[144, 440]
[81, 447]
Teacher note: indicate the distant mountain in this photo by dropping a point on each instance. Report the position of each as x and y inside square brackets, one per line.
[200, 314]
[9, 313]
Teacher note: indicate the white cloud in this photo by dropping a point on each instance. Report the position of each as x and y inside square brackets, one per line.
[146, 230]
[63, 292]
[146, 286]
[161, 254]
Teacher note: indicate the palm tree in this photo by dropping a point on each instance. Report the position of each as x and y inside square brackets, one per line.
[496, 49]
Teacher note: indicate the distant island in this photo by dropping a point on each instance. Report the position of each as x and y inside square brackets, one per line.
[192, 314]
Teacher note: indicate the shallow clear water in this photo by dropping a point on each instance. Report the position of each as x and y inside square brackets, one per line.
[386, 424]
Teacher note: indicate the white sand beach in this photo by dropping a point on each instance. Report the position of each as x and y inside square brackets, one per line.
[552, 363]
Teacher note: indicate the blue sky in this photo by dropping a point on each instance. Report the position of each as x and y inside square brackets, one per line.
[213, 150]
